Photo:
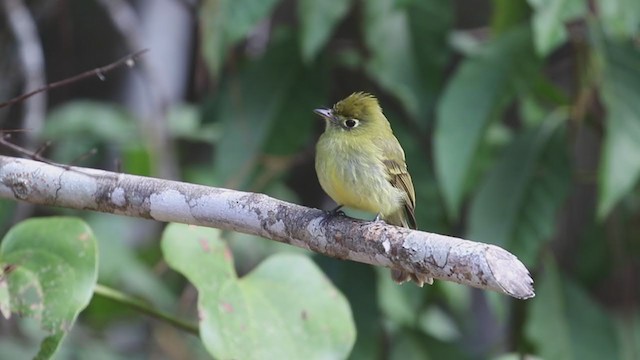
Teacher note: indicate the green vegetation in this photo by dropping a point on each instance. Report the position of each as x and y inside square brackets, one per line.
[521, 126]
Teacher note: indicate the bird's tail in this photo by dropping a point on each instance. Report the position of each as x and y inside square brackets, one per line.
[400, 218]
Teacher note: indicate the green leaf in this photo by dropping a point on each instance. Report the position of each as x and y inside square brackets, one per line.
[628, 329]
[103, 121]
[475, 95]
[225, 22]
[564, 323]
[620, 164]
[317, 21]
[507, 14]
[400, 304]
[545, 194]
[505, 207]
[251, 105]
[358, 282]
[77, 127]
[185, 122]
[273, 312]
[549, 21]
[294, 121]
[53, 270]
[121, 266]
[410, 62]
[621, 18]
[439, 324]
[411, 344]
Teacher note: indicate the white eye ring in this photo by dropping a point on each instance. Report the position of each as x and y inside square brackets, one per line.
[351, 123]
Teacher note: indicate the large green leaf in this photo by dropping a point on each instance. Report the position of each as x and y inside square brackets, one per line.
[620, 164]
[100, 121]
[284, 309]
[77, 127]
[225, 22]
[564, 323]
[317, 21]
[621, 18]
[519, 197]
[628, 326]
[507, 14]
[294, 121]
[549, 21]
[545, 194]
[407, 54]
[50, 268]
[411, 344]
[120, 263]
[400, 304]
[474, 96]
[251, 105]
[357, 281]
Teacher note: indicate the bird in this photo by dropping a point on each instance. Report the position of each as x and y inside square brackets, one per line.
[361, 165]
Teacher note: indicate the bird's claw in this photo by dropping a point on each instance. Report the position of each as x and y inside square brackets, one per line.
[378, 219]
[336, 212]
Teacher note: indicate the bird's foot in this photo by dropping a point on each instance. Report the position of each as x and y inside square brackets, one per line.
[335, 212]
[378, 219]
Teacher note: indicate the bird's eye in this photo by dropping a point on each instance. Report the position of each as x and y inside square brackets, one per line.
[351, 123]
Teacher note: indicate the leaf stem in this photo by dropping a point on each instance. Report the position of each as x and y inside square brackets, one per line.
[145, 308]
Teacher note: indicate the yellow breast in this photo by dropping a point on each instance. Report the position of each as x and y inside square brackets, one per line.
[356, 179]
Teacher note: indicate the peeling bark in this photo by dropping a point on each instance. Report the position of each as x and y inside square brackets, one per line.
[441, 257]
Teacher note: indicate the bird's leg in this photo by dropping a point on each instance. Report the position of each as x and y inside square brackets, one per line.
[379, 218]
[336, 211]
[333, 213]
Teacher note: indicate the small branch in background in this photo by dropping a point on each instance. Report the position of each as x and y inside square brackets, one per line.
[129, 60]
[22, 151]
[31, 56]
[145, 308]
[430, 255]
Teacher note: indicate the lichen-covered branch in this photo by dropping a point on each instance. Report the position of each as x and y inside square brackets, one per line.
[441, 257]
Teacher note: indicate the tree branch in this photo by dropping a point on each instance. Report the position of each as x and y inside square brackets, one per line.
[442, 257]
[128, 60]
[143, 307]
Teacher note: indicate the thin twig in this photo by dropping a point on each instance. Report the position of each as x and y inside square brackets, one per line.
[25, 32]
[128, 60]
[20, 150]
[145, 308]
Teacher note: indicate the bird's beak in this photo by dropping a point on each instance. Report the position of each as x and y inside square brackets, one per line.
[325, 113]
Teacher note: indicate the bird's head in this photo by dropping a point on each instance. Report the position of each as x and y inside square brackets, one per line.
[358, 113]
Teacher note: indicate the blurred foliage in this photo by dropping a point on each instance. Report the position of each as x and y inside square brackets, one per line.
[521, 126]
[49, 269]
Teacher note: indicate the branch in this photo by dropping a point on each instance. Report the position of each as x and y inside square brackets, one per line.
[128, 60]
[143, 307]
[442, 257]
[31, 56]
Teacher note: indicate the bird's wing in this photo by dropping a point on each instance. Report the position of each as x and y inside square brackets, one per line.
[399, 177]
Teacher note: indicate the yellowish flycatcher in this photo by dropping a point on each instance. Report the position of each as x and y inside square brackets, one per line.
[361, 165]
